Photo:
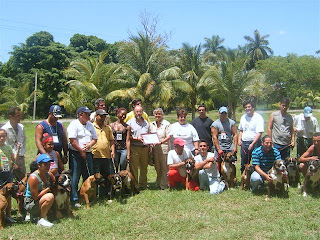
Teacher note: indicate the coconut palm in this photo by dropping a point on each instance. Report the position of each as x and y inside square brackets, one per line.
[257, 48]
[213, 49]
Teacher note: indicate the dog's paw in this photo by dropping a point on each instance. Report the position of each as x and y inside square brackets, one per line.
[267, 199]
[110, 201]
[299, 185]
[304, 194]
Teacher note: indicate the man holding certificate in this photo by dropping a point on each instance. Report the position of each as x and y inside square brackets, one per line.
[139, 150]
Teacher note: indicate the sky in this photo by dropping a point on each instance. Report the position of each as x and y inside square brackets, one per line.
[293, 25]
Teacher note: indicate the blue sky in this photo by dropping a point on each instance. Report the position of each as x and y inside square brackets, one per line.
[293, 25]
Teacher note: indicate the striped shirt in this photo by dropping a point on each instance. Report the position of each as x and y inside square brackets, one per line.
[265, 160]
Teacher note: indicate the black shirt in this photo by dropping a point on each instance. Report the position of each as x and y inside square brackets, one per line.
[203, 127]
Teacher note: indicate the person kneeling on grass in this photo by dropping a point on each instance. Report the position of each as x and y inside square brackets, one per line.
[176, 163]
[209, 176]
[38, 197]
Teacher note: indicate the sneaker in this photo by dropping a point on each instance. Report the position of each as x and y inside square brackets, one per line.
[44, 223]
[27, 217]
[77, 205]
[10, 220]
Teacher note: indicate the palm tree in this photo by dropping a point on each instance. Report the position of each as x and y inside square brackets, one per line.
[230, 79]
[257, 48]
[213, 49]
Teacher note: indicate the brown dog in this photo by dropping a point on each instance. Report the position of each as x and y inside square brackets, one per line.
[115, 181]
[88, 189]
[279, 177]
[293, 171]
[19, 194]
[189, 165]
[228, 169]
[128, 183]
[8, 190]
[312, 178]
[245, 177]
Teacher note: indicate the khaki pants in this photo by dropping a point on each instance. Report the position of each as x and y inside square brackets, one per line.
[139, 159]
[20, 173]
[160, 164]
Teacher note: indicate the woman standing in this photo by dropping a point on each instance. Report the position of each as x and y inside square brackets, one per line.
[186, 131]
[160, 150]
[121, 133]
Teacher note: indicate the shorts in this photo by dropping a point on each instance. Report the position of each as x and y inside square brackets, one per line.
[31, 206]
[6, 177]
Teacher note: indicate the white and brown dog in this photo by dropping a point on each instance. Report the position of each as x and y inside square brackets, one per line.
[312, 178]
[115, 181]
[228, 169]
[246, 175]
[128, 183]
[279, 176]
[189, 165]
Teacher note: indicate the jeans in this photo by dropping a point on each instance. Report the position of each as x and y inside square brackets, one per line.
[207, 182]
[121, 158]
[79, 167]
[246, 154]
[302, 145]
[105, 167]
[285, 152]
[255, 181]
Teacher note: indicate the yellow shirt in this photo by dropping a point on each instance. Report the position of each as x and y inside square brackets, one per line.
[102, 148]
[130, 115]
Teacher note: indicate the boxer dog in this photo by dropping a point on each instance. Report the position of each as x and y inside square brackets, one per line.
[245, 177]
[6, 191]
[116, 183]
[88, 189]
[22, 184]
[293, 171]
[62, 195]
[312, 178]
[228, 169]
[128, 183]
[189, 165]
[279, 177]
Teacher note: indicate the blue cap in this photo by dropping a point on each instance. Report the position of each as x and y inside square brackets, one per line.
[44, 158]
[83, 109]
[307, 112]
[56, 111]
[223, 109]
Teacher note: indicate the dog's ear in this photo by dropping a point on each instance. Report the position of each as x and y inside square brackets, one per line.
[97, 176]
[5, 189]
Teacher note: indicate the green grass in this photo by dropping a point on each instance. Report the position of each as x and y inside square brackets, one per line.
[180, 214]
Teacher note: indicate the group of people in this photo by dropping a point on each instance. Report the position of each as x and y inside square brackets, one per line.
[92, 144]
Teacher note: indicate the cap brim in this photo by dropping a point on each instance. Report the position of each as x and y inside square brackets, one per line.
[57, 115]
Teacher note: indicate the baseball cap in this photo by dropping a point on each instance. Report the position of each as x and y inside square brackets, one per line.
[179, 141]
[83, 109]
[223, 109]
[307, 112]
[44, 158]
[56, 111]
[101, 112]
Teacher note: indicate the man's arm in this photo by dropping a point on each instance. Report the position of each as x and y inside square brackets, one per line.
[262, 173]
[257, 137]
[64, 145]
[235, 137]
[38, 137]
[240, 138]
[214, 133]
[292, 144]
[177, 165]
[307, 156]
[207, 163]
[112, 149]
[75, 144]
[270, 125]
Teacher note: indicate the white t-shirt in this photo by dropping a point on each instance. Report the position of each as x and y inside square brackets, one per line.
[250, 126]
[305, 128]
[187, 132]
[213, 171]
[82, 133]
[174, 158]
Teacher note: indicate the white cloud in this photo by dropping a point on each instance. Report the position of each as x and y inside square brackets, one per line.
[282, 32]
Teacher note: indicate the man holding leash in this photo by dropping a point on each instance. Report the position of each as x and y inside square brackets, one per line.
[280, 128]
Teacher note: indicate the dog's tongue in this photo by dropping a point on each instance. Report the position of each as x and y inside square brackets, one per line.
[188, 171]
[68, 189]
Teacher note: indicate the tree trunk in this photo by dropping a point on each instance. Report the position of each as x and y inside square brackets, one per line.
[193, 106]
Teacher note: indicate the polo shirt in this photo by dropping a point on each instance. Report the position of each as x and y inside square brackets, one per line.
[14, 137]
[102, 148]
[265, 160]
[138, 129]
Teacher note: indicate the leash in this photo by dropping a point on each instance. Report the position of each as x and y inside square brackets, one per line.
[113, 166]
[284, 148]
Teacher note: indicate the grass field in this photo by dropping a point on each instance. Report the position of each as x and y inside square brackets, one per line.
[180, 214]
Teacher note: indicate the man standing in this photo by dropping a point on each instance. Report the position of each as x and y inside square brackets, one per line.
[102, 161]
[313, 153]
[280, 128]
[82, 136]
[305, 125]
[224, 133]
[138, 151]
[251, 128]
[54, 129]
[98, 104]
[176, 163]
[209, 176]
[16, 136]
[136, 102]
[263, 158]
[203, 125]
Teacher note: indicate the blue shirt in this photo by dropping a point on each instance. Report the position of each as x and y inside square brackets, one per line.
[265, 160]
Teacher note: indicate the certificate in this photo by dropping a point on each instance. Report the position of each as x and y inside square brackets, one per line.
[150, 138]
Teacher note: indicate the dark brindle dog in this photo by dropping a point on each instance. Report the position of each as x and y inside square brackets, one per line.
[128, 183]
[189, 165]
[279, 177]
[115, 181]
[245, 177]
[312, 178]
[293, 171]
[228, 169]
[6, 191]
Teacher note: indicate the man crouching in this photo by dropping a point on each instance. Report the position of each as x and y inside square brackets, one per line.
[176, 163]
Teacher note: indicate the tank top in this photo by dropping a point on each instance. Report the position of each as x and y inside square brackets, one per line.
[42, 185]
[54, 157]
[120, 137]
[54, 130]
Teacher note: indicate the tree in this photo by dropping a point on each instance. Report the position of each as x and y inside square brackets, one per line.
[257, 48]
[213, 49]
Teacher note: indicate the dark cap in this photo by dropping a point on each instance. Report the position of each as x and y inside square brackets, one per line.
[101, 112]
[56, 111]
[83, 109]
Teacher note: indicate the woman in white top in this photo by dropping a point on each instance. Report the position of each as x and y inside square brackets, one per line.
[186, 131]
[160, 150]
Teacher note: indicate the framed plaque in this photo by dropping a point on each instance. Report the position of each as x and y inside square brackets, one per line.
[150, 138]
